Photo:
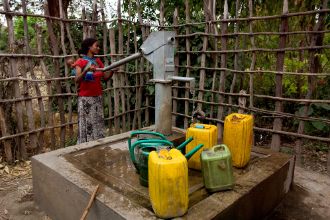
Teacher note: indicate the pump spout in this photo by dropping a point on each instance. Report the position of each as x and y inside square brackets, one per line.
[191, 81]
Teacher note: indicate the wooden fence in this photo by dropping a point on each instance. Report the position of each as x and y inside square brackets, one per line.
[37, 105]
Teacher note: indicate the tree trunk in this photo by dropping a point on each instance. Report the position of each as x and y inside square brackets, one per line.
[53, 7]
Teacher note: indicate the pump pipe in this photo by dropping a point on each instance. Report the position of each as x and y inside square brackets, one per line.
[121, 62]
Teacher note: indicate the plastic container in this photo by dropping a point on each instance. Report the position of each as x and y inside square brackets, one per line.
[140, 160]
[202, 134]
[217, 168]
[150, 142]
[168, 182]
[238, 135]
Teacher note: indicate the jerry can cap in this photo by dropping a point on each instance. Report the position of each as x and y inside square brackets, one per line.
[201, 126]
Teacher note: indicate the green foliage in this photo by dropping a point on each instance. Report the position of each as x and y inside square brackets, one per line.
[318, 146]
[316, 110]
[150, 89]
[148, 10]
[294, 86]
[3, 38]
[31, 23]
[71, 141]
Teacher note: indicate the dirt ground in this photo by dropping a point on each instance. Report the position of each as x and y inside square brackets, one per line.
[308, 199]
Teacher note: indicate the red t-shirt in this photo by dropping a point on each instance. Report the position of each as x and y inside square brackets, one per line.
[90, 88]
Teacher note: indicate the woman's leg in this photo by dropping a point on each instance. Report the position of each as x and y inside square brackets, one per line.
[90, 119]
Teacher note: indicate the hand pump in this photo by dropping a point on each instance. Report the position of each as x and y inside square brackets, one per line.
[158, 49]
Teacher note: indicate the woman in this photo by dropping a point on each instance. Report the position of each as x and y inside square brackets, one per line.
[90, 101]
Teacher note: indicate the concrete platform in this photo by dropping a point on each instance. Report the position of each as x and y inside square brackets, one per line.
[63, 181]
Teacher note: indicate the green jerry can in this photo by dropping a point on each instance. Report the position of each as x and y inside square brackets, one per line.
[217, 170]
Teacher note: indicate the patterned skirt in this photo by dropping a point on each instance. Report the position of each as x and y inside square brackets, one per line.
[90, 118]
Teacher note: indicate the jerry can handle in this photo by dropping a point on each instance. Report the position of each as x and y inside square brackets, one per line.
[137, 132]
[183, 144]
[221, 146]
[146, 147]
[150, 141]
[193, 151]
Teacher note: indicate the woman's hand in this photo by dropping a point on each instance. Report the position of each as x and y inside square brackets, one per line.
[108, 74]
[81, 73]
[92, 68]
[115, 70]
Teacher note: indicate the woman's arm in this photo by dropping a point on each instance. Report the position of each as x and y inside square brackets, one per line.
[81, 73]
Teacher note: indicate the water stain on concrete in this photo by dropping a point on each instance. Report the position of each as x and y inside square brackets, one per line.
[112, 167]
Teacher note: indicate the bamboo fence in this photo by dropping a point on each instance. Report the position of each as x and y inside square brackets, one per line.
[37, 108]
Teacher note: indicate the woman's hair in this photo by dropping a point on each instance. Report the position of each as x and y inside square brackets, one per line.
[85, 45]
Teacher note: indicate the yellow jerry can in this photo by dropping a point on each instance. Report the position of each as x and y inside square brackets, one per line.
[202, 134]
[168, 183]
[237, 135]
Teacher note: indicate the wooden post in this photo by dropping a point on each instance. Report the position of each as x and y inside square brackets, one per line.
[50, 115]
[85, 25]
[41, 140]
[134, 125]
[128, 104]
[66, 70]
[224, 26]
[55, 49]
[276, 138]
[233, 83]
[141, 69]
[215, 57]
[253, 61]
[148, 68]
[203, 58]
[111, 130]
[188, 66]
[5, 132]
[254, 57]
[67, 27]
[314, 67]
[106, 62]
[328, 162]
[161, 14]
[176, 69]
[115, 82]
[94, 18]
[14, 72]
[29, 67]
[121, 68]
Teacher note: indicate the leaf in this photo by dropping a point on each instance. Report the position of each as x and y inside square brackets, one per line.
[301, 111]
[319, 125]
[325, 106]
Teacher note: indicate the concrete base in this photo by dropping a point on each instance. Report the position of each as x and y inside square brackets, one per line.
[63, 181]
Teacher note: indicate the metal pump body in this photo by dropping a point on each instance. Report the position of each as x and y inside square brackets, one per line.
[158, 49]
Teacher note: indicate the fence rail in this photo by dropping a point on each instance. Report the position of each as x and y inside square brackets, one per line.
[222, 51]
